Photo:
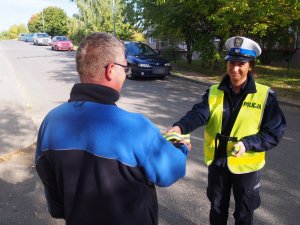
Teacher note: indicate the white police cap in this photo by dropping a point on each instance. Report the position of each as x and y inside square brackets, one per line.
[241, 49]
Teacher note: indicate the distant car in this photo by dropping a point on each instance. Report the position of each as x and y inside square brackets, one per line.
[28, 38]
[143, 61]
[41, 39]
[21, 37]
[61, 43]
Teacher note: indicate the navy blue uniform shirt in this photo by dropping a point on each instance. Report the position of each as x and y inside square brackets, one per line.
[272, 126]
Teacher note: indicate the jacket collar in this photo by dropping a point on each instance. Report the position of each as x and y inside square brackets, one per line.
[248, 87]
[94, 93]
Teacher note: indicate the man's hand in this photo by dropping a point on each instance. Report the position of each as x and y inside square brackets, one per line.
[188, 144]
[238, 149]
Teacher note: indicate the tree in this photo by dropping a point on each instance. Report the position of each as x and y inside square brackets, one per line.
[97, 15]
[199, 22]
[55, 21]
[35, 23]
[76, 29]
[14, 31]
[177, 20]
[266, 21]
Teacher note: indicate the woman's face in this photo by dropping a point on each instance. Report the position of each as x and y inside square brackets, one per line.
[238, 71]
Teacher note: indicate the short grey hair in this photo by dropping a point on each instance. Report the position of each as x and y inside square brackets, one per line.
[96, 51]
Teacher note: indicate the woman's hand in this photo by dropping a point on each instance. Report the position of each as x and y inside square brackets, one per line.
[238, 149]
[174, 129]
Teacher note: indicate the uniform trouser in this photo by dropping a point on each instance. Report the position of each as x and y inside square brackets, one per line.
[245, 189]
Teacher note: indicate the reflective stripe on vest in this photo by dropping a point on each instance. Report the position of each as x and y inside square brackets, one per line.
[253, 108]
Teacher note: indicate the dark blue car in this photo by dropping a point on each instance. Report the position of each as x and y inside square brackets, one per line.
[143, 61]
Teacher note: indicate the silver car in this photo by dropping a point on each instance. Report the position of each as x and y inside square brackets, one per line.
[41, 39]
[21, 37]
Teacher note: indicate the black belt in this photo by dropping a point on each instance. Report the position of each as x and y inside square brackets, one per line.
[224, 138]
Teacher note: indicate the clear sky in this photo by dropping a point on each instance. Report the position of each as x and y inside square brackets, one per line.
[19, 11]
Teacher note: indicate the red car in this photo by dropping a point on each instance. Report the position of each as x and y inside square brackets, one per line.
[61, 43]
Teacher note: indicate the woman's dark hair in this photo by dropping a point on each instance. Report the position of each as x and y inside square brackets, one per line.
[252, 63]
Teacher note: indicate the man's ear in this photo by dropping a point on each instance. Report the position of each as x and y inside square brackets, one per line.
[109, 71]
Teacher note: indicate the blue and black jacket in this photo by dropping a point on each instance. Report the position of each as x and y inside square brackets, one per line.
[100, 164]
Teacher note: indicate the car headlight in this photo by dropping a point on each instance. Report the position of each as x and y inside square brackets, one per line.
[167, 64]
[144, 65]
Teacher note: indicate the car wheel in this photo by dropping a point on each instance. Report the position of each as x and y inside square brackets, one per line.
[129, 74]
[52, 48]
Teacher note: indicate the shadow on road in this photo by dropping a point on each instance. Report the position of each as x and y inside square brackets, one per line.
[21, 198]
[17, 130]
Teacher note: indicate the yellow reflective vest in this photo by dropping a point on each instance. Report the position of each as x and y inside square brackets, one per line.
[247, 123]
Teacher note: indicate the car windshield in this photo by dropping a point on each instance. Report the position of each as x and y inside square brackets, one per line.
[62, 39]
[133, 49]
[43, 35]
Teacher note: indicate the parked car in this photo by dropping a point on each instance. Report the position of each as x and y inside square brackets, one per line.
[41, 39]
[143, 61]
[61, 43]
[28, 38]
[21, 37]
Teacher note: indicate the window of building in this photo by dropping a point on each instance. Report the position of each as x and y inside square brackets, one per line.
[152, 40]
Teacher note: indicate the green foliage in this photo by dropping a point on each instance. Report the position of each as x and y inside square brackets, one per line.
[35, 23]
[198, 22]
[177, 20]
[13, 32]
[266, 21]
[76, 30]
[55, 21]
[210, 57]
[99, 16]
[137, 36]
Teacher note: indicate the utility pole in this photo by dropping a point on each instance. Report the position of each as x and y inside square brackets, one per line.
[114, 17]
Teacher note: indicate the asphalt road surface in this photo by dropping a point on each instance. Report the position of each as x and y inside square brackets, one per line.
[34, 79]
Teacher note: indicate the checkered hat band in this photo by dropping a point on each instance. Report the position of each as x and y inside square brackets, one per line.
[242, 52]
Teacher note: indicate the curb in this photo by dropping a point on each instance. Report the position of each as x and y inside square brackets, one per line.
[17, 152]
[281, 101]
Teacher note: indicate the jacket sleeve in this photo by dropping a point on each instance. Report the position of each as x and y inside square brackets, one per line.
[164, 163]
[272, 127]
[46, 174]
[196, 117]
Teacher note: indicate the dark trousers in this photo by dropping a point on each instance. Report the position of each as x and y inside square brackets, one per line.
[245, 189]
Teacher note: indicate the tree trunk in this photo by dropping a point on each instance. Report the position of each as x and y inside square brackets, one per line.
[189, 52]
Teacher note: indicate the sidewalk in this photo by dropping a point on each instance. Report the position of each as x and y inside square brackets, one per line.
[17, 130]
[209, 81]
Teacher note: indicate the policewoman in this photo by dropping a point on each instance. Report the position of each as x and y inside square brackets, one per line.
[242, 121]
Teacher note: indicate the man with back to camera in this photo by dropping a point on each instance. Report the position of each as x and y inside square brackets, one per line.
[99, 163]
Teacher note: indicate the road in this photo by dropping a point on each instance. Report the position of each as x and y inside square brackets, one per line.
[34, 79]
